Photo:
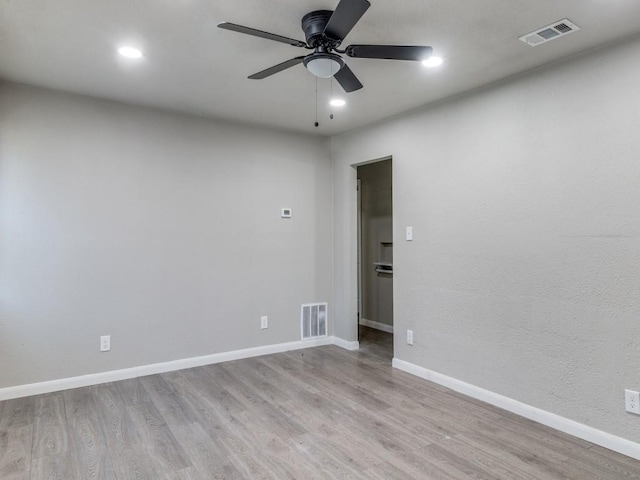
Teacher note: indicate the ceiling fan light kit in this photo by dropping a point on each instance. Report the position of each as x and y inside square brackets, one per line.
[323, 65]
[324, 32]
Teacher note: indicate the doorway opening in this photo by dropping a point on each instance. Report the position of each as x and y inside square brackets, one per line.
[375, 258]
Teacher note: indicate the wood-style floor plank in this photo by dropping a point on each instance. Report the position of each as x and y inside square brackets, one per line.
[157, 438]
[79, 401]
[321, 413]
[17, 413]
[15, 453]
[51, 456]
[124, 442]
[50, 435]
[91, 453]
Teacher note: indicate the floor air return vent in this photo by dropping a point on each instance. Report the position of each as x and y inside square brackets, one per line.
[313, 321]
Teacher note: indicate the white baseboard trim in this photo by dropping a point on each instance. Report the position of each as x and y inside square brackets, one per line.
[590, 434]
[377, 325]
[124, 374]
[347, 345]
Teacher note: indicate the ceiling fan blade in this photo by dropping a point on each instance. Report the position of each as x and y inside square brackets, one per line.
[347, 80]
[344, 18]
[389, 52]
[277, 68]
[259, 33]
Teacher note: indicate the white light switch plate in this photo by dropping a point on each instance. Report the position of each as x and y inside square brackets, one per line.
[409, 234]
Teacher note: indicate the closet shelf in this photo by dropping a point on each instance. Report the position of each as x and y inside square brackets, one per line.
[384, 267]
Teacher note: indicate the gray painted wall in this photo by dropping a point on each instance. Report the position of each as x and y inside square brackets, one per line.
[161, 230]
[524, 274]
[377, 234]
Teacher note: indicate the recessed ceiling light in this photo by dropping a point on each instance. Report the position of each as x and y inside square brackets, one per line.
[130, 52]
[337, 102]
[432, 62]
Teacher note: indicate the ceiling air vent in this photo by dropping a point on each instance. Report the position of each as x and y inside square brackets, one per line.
[550, 32]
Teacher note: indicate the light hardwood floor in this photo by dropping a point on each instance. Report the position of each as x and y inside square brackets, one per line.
[317, 413]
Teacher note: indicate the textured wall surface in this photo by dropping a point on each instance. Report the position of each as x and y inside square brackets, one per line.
[161, 230]
[524, 274]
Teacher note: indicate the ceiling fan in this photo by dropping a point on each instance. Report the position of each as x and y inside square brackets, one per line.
[324, 32]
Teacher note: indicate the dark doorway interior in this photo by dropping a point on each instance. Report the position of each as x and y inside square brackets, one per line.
[375, 255]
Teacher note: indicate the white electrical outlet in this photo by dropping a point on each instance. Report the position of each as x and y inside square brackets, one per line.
[264, 322]
[632, 401]
[409, 337]
[105, 343]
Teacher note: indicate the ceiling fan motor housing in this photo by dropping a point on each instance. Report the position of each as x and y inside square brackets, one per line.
[313, 25]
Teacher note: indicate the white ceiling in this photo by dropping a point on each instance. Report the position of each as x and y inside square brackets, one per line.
[192, 66]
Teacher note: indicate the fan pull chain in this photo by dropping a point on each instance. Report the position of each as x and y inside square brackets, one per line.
[330, 99]
[316, 124]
